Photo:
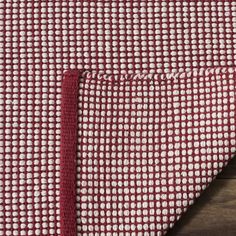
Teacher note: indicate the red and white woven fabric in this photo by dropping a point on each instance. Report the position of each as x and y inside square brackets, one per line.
[144, 121]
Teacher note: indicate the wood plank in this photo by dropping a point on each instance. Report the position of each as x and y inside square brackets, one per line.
[213, 214]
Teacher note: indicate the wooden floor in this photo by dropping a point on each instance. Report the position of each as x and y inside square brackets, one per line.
[214, 213]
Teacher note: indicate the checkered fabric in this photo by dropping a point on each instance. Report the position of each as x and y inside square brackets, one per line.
[39, 40]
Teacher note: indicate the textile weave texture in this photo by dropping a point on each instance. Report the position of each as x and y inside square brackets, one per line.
[40, 40]
[148, 145]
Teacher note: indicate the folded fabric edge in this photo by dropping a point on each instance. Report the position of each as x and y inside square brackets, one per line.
[93, 76]
[69, 135]
[68, 153]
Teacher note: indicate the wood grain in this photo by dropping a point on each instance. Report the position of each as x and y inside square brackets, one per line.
[214, 213]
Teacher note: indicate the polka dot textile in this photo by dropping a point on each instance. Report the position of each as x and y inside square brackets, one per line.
[155, 111]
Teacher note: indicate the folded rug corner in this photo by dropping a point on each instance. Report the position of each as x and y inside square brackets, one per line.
[140, 148]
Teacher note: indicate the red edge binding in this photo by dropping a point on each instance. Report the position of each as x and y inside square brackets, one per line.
[68, 153]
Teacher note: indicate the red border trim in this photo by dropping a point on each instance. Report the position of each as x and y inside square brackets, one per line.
[68, 153]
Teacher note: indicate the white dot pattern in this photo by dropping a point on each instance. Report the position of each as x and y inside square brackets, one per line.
[151, 36]
[41, 39]
[148, 146]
